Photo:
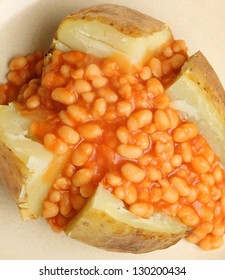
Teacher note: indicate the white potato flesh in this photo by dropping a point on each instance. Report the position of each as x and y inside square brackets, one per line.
[40, 167]
[102, 40]
[198, 95]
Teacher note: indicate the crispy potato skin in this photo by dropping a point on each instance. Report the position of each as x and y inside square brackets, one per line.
[96, 228]
[201, 72]
[125, 20]
[13, 172]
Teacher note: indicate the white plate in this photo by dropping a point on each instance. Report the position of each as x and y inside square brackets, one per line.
[26, 26]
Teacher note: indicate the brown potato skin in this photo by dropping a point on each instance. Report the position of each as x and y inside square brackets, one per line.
[124, 19]
[96, 228]
[201, 72]
[13, 173]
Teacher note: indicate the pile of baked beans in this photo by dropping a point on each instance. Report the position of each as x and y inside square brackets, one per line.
[120, 129]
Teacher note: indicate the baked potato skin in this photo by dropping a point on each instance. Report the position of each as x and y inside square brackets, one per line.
[201, 72]
[13, 172]
[96, 228]
[124, 19]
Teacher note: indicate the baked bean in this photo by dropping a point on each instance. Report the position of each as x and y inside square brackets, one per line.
[123, 134]
[139, 119]
[145, 159]
[186, 152]
[128, 78]
[62, 183]
[99, 108]
[68, 135]
[155, 194]
[109, 68]
[141, 209]
[167, 52]
[208, 179]
[129, 151]
[124, 108]
[50, 209]
[218, 230]
[200, 165]
[193, 195]
[177, 61]
[90, 131]
[82, 177]
[170, 195]
[161, 101]
[164, 150]
[188, 215]
[204, 192]
[88, 97]
[77, 74]
[156, 67]
[92, 71]
[153, 173]
[132, 172]
[82, 154]
[108, 94]
[176, 160]
[77, 113]
[145, 73]
[209, 155]
[99, 82]
[154, 86]
[82, 86]
[64, 204]
[218, 174]
[173, 117]
[54, 144]
[130, 194]
[161, 120]
[69, 170]
[119, 192]
[142, 140]
[30, 90]
[87, 190]
[63, 96]
[18, 63]
[211, 242]
[65, 118]
[53, 80]
[185, 132]
[55, 196]
[65, 70]
[178, 46]
[205, 213]
[78, 201]
[33, 102]
[113, 178]
[73, 57]
[180, 185]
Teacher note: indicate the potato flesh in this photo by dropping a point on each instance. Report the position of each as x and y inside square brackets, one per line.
[105, 223]
[35, 166]
[102, 40]
[195, 102]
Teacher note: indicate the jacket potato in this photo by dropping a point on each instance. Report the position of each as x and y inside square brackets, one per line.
[99, 216]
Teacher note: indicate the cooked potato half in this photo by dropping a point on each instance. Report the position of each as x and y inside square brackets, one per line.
[110, 30]
[200, 97]
[105, 223]
[27, 168]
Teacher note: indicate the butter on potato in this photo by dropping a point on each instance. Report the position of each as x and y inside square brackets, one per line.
[108, 30]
